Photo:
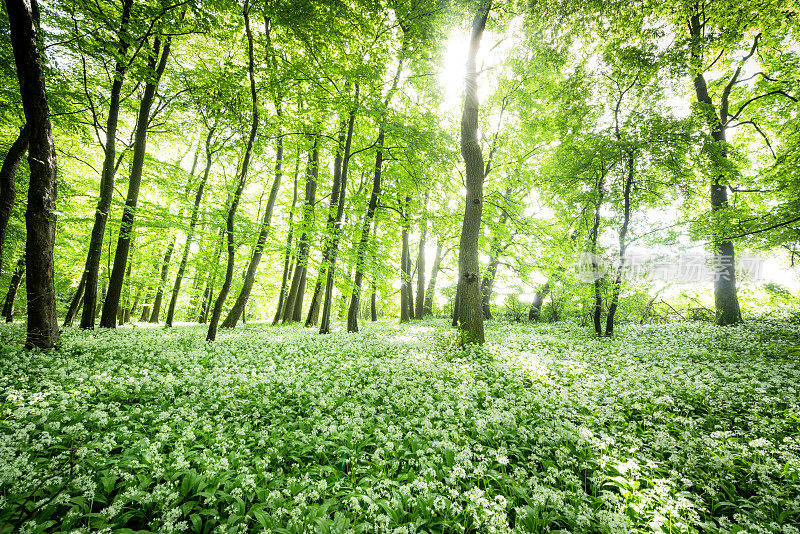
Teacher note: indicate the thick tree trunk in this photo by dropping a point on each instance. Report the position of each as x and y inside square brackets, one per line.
[92, 267]
[40, 216]
[229, 224]
[198, 199]
[427, 308]
[293, 307]
[162, 281]
[536, 306]
[13, 288]
[623, 233]
[129, 211]
[726, 299]
[75, 302]
[266, 224]
[8, 175]
[470, 314]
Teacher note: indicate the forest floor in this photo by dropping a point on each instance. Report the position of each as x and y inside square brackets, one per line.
[680, 428]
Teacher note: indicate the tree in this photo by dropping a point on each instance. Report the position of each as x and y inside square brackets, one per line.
[470, 312]
[40, 216]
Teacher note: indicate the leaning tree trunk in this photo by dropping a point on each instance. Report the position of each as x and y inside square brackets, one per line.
[470, 314]
[266, 224]
[325, 322]
[355, 297]
[92, 267]
[293, 306]
[76, 301]
[8, 175]
[114, 292]
[623, 233]
[229, 224]
[726, 299]
[40, 216]
[13, 288]
[198, 199]
[427, 308]
[538, 298]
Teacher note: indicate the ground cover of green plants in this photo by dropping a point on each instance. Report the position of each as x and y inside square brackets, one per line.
[683, 427]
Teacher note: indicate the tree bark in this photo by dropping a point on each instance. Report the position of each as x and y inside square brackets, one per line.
[198, 199]
[487, 284]
[419, 309]
[229, 225]
[8, 175]
[13, 288]
[293, 306]
[726, 299]
[406, 304]
[427, 308]
[470, 312]
[623, 233]
[92, 267]
[597, 310]
[76, 302]
[287, 259]
[129, 211]
[40, 216]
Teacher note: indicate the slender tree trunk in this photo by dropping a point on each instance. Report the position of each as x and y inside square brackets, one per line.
[726, 299]
[419, 310]
[40, 216]
[13, 288]
[487, 284]
[623, 233]
[8, 175]
[406, 306]
[124, 309]
[470, 312]
[198, 199]
[229, 225]
[287, 259]
[129, 211]
[294, 299]
[457, 305]
[266, 224]
[597, 311]
[132, 310]
[92, 267]
[76, 302]
[162, 280]
[538, 298]
[355, 297]
[325, 323]
[427, 308]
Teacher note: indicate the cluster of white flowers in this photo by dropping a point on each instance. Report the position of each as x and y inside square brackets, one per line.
[680, 427]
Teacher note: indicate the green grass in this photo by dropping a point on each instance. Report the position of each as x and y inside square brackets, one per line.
[677, 428]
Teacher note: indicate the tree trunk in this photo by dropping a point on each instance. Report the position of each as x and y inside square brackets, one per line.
[355, 297]
[162, 281]
[76, 302]
[293, 306]
[726, 299]
[470, 313]
[597, 310]
[419, 310]
[623, 232]
[536, 306]
[8, 174]
[325, 323]
[427, 308]
[406, 306]
[129, 211]
[40, 216]
[122, 311]
[456, 305]
[287, 259]
[92, 267]
[13, 287]
[487, 284]
[229, 225]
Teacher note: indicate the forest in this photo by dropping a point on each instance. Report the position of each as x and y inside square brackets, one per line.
[399, 266]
